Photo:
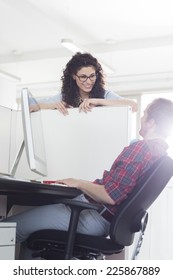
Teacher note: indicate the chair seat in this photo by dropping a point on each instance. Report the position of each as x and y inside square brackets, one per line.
[56, 241]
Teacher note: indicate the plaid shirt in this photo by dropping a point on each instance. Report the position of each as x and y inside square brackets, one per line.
[129, 166]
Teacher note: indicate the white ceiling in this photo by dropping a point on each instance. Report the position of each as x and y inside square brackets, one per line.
[112, 30]
[31, 29]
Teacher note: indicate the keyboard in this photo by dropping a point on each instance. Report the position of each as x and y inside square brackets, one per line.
[8, 177]
[49, 182]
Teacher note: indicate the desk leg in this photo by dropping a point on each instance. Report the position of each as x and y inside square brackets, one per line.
[3, 206]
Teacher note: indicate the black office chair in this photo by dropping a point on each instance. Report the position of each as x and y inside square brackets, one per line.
[131, 217]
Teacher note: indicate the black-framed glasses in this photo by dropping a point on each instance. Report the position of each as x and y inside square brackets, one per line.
[84, 78]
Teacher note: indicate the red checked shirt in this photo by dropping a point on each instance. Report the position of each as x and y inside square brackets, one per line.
[129, 166]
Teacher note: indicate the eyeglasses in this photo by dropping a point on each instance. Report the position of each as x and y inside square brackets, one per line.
[84, 78]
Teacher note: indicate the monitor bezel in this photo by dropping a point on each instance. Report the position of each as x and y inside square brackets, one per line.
[36, 164]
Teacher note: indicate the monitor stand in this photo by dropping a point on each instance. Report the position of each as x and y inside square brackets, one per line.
[17, 159]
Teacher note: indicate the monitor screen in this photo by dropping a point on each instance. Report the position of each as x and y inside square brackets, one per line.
[33, 134]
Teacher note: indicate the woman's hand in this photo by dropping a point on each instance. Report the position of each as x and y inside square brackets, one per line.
[88, 104]
[134, 106]
[34, 108]
[60, 106]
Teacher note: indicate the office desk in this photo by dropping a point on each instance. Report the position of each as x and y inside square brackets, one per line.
[32, 193]
[29, 194]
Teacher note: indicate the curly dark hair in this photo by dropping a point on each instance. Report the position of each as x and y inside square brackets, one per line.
[69, 89]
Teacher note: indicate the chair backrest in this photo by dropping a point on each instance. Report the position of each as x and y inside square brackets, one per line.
[128, 217]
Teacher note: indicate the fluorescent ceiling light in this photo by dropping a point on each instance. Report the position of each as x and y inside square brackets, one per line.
[68, 44]
[9, 76]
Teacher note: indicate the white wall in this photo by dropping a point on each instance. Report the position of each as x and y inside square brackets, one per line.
[7, 92]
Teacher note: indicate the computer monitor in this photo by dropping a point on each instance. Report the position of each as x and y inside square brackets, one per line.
[33, 134]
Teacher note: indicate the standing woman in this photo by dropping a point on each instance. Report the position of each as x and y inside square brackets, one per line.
[83, 87]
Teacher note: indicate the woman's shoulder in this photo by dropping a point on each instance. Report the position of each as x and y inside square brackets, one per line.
[52, 99]
[109, 94]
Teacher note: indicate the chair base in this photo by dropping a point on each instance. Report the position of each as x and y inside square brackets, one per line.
[50, 244]
[56, 255]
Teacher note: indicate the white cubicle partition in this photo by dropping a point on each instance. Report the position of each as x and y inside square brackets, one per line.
[5, 135]
[83, 145]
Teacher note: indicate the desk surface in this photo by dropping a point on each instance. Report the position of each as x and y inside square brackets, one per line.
[32, 193]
